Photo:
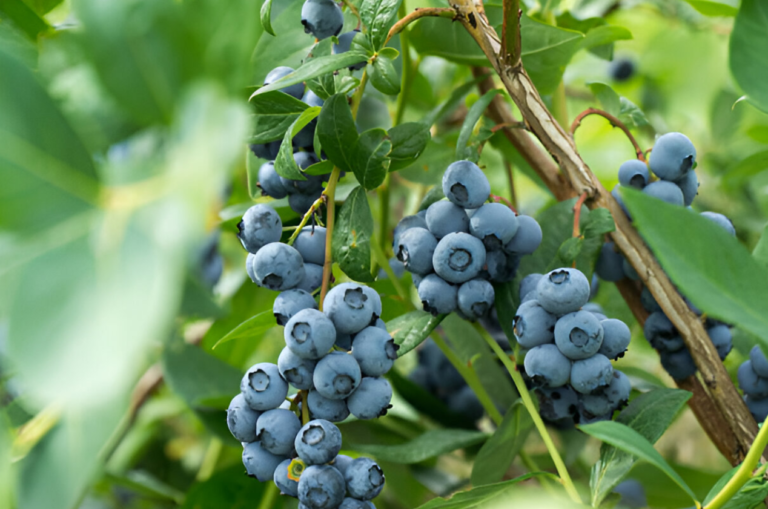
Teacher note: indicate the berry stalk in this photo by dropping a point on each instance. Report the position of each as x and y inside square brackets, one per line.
[330, 195]
[615, 122]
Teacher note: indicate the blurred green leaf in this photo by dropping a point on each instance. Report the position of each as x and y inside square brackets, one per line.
[337, 132]
[710, 8]
[604, 35]
[474, 114]
[748, 58]
[274, 113]
[352, 236]
[506, 306]
[609, 99]
[408, 143]
[23, 17]
[411, 329]
[7, 475]
[371, 160]
[226, 488]
[568, 252]
[631, 114]
[383, 76]
[442, 38]
[437, 155]
[546, 51]
[434, 195]
[493, 495]
[42, 6]
[746, 168]
[498, 453]
[314, 68]
[760, 253]
[266, 17]
[377, 17]
[598, 223]
[428, 445]
[457, 94]
[255, 326]
[322, 168]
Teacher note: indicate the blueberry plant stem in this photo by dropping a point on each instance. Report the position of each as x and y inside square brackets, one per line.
[562, 471]
[441, 12]
[577, 214]
[330, 195]
[304, 220]
[744, 473]
[381, 259]
[383, 193]
[358, 97]
[615, 122]
[408, 70]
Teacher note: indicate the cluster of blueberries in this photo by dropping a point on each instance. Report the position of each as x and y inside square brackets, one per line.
[457, 247]
[570, 345]
[672, 160]
[753, 380]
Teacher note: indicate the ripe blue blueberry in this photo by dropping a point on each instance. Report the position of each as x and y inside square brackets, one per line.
[475, 298]
[278, 266]
[269, 181]
[661, 333]
[458, 257]
[277, 73]
[465, 184]
[678, 364]
[622, 69]
[689, 185]
[634, 173]
[318, 442]
[648, 301]
[443, 217]
[290, 302]
[310, 243]
[665, 191]
[629, 270]
[276, 430]
[609, 264]
[578, 335]
[563, 291]
[437, 295]
[596, 309]
[321, 487]
[352, 307]
[493, 223]
[595, 404]
[322, 18]
[528, 285]
[500, 266]
[371, 399]
[759, 361]
[241, 419]
[364, 478]
[594, 286]
[353, 503]
[266, 151]
[616, 193]
[260, 226]
[313, 278]
[301, 203]
[415, 248]
[527, 238]
[534, 325]
[310, 334]
[334, 410]
[559, 404]
[313, 183]
[407, 223]
[673, 156]
[588, 375]
[721, 221]
[297, 371]
[616, 338]
[547, 366]
[345, 42]
[342, 462]
[312, 99]
[375, 351]
[287, 486]
[758, 407]
[259, 462]
[752, 384]
[619, 389]
[632, 494]
[263, 388]
[337, 375]
[721, 337]
[344, 341]
[249, 266]
[465, 402]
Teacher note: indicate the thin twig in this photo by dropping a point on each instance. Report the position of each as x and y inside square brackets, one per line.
[615, 122]
[507, 202]
[577, 214]
[330, 195]
[439, 12]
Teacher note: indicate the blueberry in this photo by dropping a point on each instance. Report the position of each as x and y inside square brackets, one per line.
[241, 419]
[353, 503]
[475, 298]
[297, 371]
[721, 221]
[673, 156]
[290, 302]
[259, 462]
[609, 264]
[345, 42]
[622, 69]
[585, 417]
[260, 226]
[722, 339]
[310, 334]
[437, 295]
[578, 335]
[375, 351]
[465, 184]
[263, 387]
[558, 404]
[310, 243]
[759, 361]
[500, 266]
[595, 404]
[632, 494]
[527, 238]
[321, 487]
[312, 99]
[398, 269]
[278, 266]
[313, 183]
[751, 383]
[588, 375]
[301, 203]
[352, 307]
[534, 325]
[371, 399]
[594, 286]
[678, 364]
[757, 407]
[337, 375]
[266, 151]
[287, 486]
[689, 185]
[364, 478]
[547, 366]
[596, 309]
[634, 173]
[334, 410]
[305, 138]
[276, 430]
[619, 389]
[269, 181]
[616, 338]
[648, 301]
[563, 291]
[493, 223]
[415, 248]
[616, 193]
[313, 278]
[277, 73]
[422, 377]
[458, 257]
[528, 284]
[665, 191]
[342, 462]
[661, 333]
[407, 223]
[318, 442]
[629, 270]
[465, 402]
[443, 217]
[249, 266]
[344, 341]
[322, 18]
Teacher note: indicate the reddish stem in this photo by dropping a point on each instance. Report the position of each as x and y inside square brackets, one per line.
[577, 214]
[615, 122]
[508, 203]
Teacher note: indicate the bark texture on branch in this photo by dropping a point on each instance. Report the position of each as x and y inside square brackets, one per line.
[716, 401]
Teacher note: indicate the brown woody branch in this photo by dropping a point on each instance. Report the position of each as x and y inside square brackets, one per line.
[716, 400]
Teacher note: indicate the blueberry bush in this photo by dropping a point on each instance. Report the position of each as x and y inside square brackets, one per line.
[393, 254]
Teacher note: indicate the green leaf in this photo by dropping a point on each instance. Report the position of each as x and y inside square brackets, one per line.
[255, 326]
[285, 164]
[226, 488]
[598, 223]
[715, 9]
[498, 453]
[650, 414]
[266, 17]
[274, 114]
[474, 114]
[390, 53]
[383, 76]
[337, 132]
[410, 329]
[496, 495]
[434, 195]
[746, 168]
[506, 302]
[428, 445]
[609, 99]
[546, 51]
[627, 439]
[23, 17]
[708, 265]
[352, 236]
[314, 68]
[606, 34]
[568, 252]
[42, 7]
[378, 16]
[442, 38]
[7, 474]
[453, 100]
[760, 253]
[408, 142]
[631, 114]
[371, 160]
[749, 496]
[748, 58]
[324, 167]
